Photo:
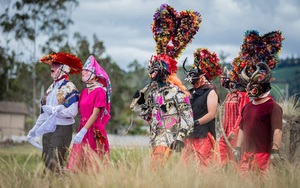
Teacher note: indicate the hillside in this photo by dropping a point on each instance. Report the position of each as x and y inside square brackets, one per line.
[286, 79]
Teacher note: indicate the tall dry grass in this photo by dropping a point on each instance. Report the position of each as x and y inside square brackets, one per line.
[291, 108]
[291, 128]
[130, 167]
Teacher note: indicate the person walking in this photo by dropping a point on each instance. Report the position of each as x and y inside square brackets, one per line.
[91, 145]
[234, 102]
[200, 144]
[164, 103]
[59, 106]
[260, 133]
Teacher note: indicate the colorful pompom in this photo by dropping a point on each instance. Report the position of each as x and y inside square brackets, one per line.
[173, 31]
[208, 62]
[256, 48]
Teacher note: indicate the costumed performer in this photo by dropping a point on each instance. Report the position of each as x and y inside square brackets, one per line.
[166, 107]
[260, 133]
[234, 102]
[91, 142]
[59, 107]
[200, 144]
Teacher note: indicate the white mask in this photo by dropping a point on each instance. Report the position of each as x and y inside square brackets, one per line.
[87, 76]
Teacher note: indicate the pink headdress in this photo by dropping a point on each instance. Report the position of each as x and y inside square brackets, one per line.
[92, 65]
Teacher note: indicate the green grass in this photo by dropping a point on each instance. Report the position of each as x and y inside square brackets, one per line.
[21, 166]
[24, 156]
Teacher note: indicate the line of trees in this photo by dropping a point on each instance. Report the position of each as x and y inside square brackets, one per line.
[289, 62]
[23, 79]
[26, 22]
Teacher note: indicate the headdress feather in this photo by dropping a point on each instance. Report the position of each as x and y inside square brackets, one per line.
[208, 62]
[64, 58]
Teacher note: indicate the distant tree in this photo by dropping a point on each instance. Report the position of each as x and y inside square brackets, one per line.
[27, 19]
[223, 56]
[8, 70]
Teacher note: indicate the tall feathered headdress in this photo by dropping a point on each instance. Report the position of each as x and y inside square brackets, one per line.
[259, 55]
[173, 31]
[238, 64]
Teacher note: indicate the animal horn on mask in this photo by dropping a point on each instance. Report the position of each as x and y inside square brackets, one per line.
[263, 73]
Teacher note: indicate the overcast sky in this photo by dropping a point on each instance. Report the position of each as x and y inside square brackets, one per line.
[124, 25]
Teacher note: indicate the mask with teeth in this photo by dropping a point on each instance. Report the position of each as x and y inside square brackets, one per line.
[157, 71]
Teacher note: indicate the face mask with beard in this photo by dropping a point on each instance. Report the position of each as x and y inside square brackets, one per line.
[157, 72]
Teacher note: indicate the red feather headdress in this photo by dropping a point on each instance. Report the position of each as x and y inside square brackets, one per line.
[64, 58]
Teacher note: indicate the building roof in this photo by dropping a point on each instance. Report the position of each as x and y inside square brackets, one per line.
[13, 107]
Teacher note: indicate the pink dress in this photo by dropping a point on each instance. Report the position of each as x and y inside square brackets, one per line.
[96, 136]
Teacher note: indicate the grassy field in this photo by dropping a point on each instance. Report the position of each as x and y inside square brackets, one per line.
[20, 166]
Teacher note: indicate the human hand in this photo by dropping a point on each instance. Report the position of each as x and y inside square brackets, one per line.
[47, 109]
[79, 136]
[231, 136]
[237, 154]
[275, 157]
[196, 123]
[31, 133]
[177, 145]
[139, 95]
[58, 108]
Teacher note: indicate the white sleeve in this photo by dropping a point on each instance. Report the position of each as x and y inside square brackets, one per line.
[69, 112]
[41, 119]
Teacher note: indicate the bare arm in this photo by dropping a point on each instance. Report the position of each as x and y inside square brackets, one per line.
[277, 137]
[240, 138]
[93, 117]
[212, 104]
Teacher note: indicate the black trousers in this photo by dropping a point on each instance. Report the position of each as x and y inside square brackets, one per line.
[55, 146]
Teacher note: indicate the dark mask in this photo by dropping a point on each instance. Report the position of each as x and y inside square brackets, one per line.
[157, 72]
[255, 90]
[193, 75]
[225, 82]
